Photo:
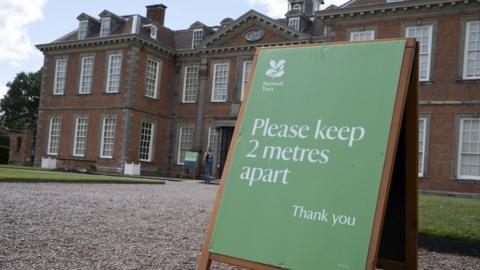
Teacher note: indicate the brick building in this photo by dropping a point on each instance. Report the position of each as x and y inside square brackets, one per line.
[16, 146]
[128, 89]
[21, 146]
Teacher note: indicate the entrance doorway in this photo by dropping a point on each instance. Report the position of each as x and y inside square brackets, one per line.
[225, 138]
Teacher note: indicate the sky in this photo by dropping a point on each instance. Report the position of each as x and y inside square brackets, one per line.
[26, 23]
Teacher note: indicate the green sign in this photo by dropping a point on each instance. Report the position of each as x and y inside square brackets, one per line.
[302, 186]
[191, 156]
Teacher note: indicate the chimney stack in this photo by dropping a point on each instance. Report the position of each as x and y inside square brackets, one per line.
[156, 13]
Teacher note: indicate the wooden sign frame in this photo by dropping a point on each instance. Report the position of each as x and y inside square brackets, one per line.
[393, 242]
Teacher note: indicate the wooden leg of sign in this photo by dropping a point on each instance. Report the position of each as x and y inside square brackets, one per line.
[205, 257]
[398, 248]
[204, 262]
[411, 174]
[238, 262]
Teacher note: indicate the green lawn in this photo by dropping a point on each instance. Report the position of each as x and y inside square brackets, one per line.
[449, 217]
[11, 173]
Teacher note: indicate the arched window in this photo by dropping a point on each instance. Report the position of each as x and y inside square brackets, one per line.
[153, 32]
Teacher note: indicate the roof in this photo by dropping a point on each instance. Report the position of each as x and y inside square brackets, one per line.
[170, 40]
[107, 13]
[356, 3]
[84, 16]
[258, 16]
[372, 7]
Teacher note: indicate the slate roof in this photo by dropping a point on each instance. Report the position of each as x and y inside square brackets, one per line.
[356, 3]
[182, 39]
[173, 40]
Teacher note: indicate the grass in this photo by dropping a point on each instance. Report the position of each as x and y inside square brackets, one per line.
[450, 217]
[16, 173]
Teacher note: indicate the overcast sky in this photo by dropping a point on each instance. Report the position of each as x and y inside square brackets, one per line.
[24, 23]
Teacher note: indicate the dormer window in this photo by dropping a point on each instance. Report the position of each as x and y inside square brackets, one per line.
[294, 23]
[105, 27]
[197, 37]
[153, 32]
[83, 30]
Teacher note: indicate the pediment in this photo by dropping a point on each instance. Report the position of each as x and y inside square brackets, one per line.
[253, 28]
[198, 25]
[85, 17]
[107, 13]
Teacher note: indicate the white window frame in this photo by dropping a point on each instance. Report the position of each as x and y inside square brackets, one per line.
[54, 136]
[294, 23]
[146, 142]
[86, 75]
[106, 27]
[110, 75]
[80, 136]
[180, 147]
[467, 49]
[212, 138]
[103, 137]
[190, 88]
[153, 31]
[245, 76]
[82, 30]
[420, 54]
[60, 76]
[216, 84]
[422, 126]
[460, 150]
[148, 92]
[362, 35]
[197, 37]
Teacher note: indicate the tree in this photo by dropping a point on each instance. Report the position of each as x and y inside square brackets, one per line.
[20, 105]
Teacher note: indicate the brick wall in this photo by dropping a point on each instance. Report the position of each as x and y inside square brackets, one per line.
[21, 143]
[445, 87]
[444, 98]
[129, 106]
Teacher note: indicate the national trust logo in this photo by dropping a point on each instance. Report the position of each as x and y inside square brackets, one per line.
[276, 71]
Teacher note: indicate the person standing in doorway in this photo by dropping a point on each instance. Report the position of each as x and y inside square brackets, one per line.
[208, 164]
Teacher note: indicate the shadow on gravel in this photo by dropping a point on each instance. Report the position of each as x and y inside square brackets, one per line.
[449, 246]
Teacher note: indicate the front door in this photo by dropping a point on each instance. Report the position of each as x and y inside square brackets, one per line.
[226, 134]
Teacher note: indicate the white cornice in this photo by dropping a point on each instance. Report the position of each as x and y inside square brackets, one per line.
[118, 39]
[240, 48]
[104, 41]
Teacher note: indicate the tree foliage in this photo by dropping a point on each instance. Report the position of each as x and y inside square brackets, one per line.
[19, 106]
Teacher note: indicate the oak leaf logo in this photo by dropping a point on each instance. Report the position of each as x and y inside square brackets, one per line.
[276, 69]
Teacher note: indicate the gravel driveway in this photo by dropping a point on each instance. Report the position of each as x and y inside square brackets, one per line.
[110, 226]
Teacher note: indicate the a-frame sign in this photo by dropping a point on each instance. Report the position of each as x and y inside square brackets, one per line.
[322, 169]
